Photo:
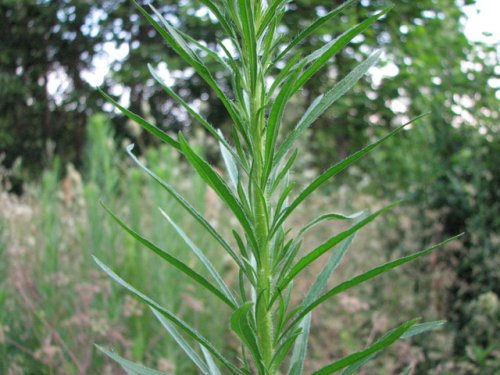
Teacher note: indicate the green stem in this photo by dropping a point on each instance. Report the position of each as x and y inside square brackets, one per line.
[264, 314]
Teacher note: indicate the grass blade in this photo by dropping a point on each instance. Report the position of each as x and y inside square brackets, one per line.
[184, 268]
[170, 316]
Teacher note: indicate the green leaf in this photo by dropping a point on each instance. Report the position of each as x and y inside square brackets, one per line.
[312, 28]
[204, 260]
[377, 346]
[192, 111]
[170, 316]
[289, 68]
[174, 261]
[175, 40]
[189, 208]
[320, 57]
[284, 171]
[218, 13]
[300, 348]
[249, 39]
[214, 55]
[367, 276]
[158, 133]
[129, 367]
[211, 177]
[323, 248]
[183, 344]
[231, 167]
[274, 11]
[417, 329]
[214, 370]
[276, 115]
[325, 217]
[414, 330]
[240, 325]
[336, 169]
[322, 279]
[324, 101]
[284, 349]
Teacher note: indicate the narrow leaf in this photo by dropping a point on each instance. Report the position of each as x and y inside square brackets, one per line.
[211, 177]
[367, 276]
[184, 268]
[320, 57]
[170, 316]
[231, 167]
[158, 133]
[174, 39]
[322, 279]
[325, 217]
[323, 248]
[377, 346]
[183, 344]
[241, 326]
[131, 368]
[313, 27]
[324, 101]
[192, 111]
[336, 169]
[414, 330]
[204, 260]
[214, 370]
[300, 348]
[417, 329]
[218, 13]
[189, 208]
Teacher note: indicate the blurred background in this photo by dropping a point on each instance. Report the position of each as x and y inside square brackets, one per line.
[62, 150]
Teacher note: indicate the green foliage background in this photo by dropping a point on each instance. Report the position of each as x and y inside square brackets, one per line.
[448, 164]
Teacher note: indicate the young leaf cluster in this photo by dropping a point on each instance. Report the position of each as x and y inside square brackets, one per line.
[266, 73]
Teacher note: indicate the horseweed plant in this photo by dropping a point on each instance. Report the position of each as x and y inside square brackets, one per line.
[258, 191]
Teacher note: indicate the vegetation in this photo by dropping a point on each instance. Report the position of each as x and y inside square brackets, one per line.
[51, 216]
[258, 168]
